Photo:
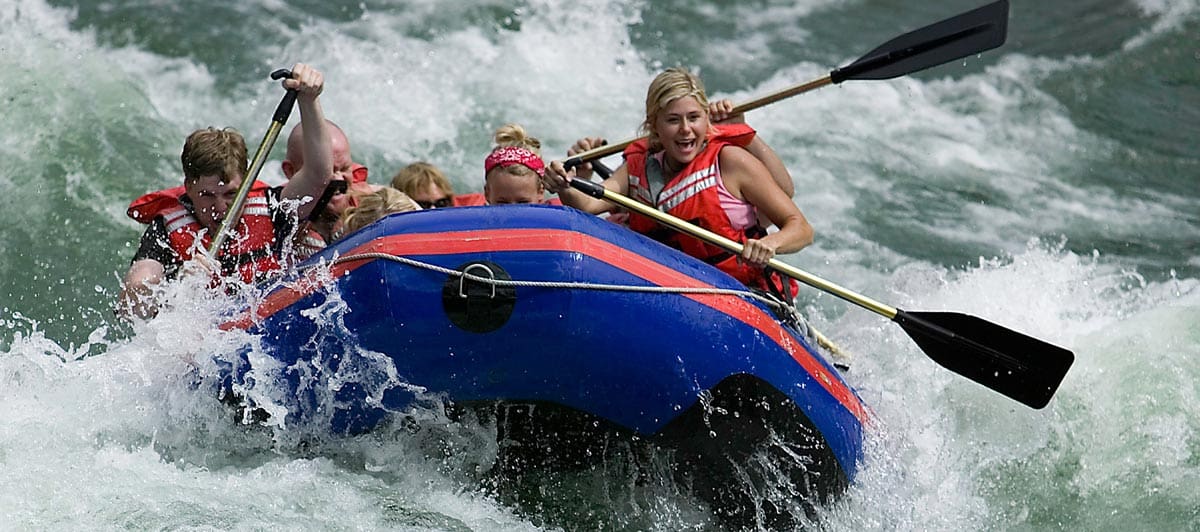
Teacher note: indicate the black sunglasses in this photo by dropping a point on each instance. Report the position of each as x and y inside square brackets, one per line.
[332, 189]
[336, 187]
[439, 204]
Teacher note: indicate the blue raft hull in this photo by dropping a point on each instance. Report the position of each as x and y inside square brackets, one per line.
[703, 373]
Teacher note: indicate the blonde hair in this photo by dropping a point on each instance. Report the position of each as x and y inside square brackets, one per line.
[672, 84]
[418, 176]
[375, 205]
[211, 151]
[514, 135]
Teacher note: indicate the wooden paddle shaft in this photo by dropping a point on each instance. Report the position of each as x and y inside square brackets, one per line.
[969, 33]
[610, 149]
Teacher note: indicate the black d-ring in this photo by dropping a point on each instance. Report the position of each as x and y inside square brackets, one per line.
[476, 306]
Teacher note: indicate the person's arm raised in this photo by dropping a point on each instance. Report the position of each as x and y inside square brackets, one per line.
[310, 181]
[722, 111]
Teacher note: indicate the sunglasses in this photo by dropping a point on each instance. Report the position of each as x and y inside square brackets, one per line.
[438, 204]
[334, 188]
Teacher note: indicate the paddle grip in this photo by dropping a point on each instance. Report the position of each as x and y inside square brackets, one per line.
[284, 109]
[594, 190]
[600, 168]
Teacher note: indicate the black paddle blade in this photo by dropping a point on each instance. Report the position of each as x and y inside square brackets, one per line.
[970, 33]
[1019, 366]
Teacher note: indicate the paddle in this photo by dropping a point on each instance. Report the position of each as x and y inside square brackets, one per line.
[264, 148]
[1019, 366]
[967, 34]
[602, 170]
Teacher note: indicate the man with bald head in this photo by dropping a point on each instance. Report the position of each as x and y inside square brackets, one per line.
[348, 175]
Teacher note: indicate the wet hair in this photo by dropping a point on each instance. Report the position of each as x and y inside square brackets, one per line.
[418, 176]
[375, 205]
[513, 135]
[211, 151]
[672, 84]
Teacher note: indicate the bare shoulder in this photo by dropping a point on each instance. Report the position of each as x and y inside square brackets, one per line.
[740, 164]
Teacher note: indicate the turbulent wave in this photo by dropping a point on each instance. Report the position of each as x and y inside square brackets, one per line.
[1048, 186]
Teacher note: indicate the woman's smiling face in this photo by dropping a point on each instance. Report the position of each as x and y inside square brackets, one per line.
[682, 127]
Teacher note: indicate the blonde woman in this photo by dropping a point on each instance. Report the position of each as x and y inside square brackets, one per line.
[372, 206]
[430, 188]
[695, 170]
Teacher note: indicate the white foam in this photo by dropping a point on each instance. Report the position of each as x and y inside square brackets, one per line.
[965, 449]
[78, 434]
[438, 97]
[1171, 15]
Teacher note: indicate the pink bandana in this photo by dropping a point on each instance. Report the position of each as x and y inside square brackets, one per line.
[510, 155]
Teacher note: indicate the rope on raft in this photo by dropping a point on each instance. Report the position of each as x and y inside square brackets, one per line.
[840, 356]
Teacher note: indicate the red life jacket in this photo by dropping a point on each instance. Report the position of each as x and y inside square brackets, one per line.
[249, 252]
[692, 195]
[473, 199]
[358, 173]
[308, 242]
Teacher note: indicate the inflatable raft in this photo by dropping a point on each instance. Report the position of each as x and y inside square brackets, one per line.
[564, 327]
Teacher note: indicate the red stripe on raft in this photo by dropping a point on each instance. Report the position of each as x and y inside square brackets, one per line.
[497, 240]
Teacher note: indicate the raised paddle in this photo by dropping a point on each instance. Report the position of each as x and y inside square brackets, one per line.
[967, 34]
[1019, 366]
[282, 111]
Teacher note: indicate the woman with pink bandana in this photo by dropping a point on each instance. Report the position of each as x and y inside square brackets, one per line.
[514, 169]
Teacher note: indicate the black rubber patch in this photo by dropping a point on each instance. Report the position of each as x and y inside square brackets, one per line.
[477, 306]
